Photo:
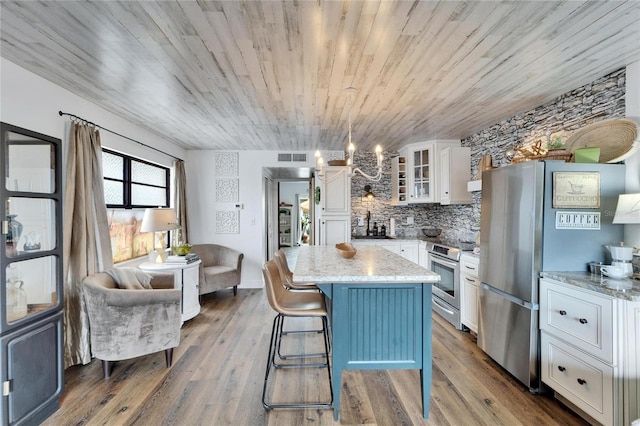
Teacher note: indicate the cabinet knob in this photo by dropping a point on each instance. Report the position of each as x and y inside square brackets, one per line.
[561, 368]
[562, 312]
[581, 381]
[583, 320]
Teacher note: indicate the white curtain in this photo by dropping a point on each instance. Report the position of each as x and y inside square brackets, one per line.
[86, 242]
[180, 199]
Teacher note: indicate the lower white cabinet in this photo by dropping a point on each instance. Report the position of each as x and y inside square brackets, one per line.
[409, 249]
[334, 230]
[469, 288]
[187, 278]
[590, 350]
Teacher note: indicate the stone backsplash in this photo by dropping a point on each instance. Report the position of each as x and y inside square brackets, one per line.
[599, 100]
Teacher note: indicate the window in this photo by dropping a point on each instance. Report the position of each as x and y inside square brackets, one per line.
[130, 185]
[133, 183]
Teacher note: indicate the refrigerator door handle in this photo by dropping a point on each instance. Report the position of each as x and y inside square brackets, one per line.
[528, 305]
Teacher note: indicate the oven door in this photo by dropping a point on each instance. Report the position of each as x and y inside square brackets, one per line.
[448, 288]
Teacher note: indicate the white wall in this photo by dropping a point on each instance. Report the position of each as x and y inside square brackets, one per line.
[31, 102]
[288, 191]
[202, 206]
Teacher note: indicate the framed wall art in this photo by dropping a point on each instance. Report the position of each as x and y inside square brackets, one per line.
[576, 190]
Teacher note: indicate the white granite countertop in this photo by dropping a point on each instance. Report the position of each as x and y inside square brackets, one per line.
[371, 264]
[626, 289]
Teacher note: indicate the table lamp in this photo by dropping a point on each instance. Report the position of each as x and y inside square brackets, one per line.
[628, 209]
[160, 221]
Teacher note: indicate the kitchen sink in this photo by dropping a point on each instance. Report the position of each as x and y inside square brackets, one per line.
[371, 237]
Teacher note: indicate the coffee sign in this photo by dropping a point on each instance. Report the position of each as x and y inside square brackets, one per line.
[578, 190]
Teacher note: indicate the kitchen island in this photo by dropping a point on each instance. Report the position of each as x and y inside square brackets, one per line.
[379, 308]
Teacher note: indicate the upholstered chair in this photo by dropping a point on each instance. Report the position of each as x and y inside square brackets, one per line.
[128, 321]
[221, 267]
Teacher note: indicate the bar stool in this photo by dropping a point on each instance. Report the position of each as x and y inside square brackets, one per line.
[293, 304]
[287, 279]
[287, 275]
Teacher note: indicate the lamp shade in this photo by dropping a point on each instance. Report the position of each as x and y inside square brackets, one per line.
[156, 220]
[628, 209]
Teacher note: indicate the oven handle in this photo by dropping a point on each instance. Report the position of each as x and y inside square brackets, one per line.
[447, 310]
[440, 259]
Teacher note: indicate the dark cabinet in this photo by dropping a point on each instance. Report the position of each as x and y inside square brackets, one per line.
[31, 325]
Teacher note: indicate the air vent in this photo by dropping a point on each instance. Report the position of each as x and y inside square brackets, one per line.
[288, 157]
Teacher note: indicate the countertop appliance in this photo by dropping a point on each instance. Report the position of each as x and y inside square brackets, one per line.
[523, 234]
[445, 261]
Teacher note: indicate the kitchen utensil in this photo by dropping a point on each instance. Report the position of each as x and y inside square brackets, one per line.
[620, 253]
[431, 232]
[595, 268]
[627, 267]
[613, 271]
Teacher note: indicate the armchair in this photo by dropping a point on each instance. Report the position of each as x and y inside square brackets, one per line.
[221, 267]
[128, 323]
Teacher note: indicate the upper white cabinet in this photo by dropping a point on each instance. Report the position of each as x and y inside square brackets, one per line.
[431, 172]
[455, 171]
[335, 193]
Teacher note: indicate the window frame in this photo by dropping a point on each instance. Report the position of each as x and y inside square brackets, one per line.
[127, 182]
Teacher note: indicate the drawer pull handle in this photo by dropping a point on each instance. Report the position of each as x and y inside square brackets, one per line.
[563, 312]
[583, 320]
[561, 368]
[581, 381]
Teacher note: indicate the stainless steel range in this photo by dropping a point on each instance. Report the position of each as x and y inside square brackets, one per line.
[445, 261]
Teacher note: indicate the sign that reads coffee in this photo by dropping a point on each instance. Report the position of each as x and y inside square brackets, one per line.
[579, 190]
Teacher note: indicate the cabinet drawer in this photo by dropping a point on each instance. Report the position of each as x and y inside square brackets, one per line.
[578, 317]
[585, 381]
[469, 266]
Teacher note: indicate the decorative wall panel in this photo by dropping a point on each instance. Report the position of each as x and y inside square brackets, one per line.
[227, 222]
[226, 164]
[227, 190]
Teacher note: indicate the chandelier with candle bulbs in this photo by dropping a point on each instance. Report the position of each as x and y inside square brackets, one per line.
[351, 149]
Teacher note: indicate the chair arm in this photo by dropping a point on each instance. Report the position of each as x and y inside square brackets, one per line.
[130, 298]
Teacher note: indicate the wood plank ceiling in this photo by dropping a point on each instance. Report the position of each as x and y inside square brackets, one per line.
[271, 74]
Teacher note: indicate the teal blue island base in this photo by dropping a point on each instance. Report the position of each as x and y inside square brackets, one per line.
[380, 327]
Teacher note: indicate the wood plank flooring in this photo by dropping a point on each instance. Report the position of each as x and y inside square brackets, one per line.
[218, 372]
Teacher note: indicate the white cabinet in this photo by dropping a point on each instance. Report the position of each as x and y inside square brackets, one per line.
[284, 226]
[399, 181]
[333, 230]
[590, 350]
[424, 170]
[455, 171]
[469, 287]
[409, 250]
[335, 193]
[423, 255]
[334, 213]
[187, 278]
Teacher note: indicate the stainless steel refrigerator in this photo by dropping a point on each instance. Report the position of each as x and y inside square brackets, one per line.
[522, 234]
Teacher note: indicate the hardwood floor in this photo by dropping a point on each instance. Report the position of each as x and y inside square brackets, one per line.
[218, 372]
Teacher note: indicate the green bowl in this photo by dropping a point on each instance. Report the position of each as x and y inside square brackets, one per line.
[182, 250]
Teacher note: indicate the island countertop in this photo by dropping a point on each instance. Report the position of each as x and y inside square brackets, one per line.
[371, 264]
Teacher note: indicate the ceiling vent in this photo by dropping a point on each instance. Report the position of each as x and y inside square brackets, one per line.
[289, 157]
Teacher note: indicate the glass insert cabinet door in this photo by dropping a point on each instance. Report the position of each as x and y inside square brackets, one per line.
[31, 250]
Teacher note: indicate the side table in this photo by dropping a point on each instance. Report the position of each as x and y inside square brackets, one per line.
[187, 278]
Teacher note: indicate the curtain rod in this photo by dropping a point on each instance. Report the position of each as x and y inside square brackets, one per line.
[118, 134]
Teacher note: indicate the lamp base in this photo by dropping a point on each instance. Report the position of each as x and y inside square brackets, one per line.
[161, 247]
